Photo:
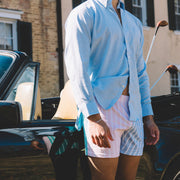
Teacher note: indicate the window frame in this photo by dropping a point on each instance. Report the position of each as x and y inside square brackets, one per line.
[172, 17]
[149, 20]
[173, 79]
[14, 32]
[11, 17]
[143, 7]
[176, 6]
[36, 67]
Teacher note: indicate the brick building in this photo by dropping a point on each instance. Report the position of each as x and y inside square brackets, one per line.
[47, 19]
[31, 26]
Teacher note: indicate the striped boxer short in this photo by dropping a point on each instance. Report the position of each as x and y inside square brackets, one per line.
[128, 136]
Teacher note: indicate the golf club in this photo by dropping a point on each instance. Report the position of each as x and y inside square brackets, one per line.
[171, 68]
[159, 24]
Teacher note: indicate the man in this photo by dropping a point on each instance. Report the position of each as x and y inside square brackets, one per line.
[104, 59]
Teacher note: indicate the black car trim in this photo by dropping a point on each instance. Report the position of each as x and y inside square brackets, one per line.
[35, 91]
[47, 123]
[20, 61]
[13, 59]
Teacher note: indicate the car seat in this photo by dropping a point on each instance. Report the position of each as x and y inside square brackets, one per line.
[24, 96]
[67, 108]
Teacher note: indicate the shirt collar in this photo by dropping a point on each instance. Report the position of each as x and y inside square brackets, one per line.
[108, 3]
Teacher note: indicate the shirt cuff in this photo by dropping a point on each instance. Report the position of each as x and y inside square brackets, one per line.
[147, 109]
[89, 109]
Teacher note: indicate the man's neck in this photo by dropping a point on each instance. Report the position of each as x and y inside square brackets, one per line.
[115, 3]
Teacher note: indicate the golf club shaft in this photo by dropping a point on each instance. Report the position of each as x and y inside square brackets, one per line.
[150, 48]
[158, 80]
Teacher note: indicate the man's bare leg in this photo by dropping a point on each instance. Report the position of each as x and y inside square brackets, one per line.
[103, 168]
[127, 167]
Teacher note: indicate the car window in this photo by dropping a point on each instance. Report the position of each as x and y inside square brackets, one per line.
[5, 62]
[23, 91]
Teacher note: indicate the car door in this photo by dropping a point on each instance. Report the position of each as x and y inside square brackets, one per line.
[26, 151]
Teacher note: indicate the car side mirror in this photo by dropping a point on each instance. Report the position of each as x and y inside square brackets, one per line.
[10, 114]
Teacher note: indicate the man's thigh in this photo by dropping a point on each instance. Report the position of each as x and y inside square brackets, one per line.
[103, 168]
[132, 140]
[127, 167]
[132, 143]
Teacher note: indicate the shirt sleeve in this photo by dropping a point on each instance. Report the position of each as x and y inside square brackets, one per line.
[143, 80]
[78, 29]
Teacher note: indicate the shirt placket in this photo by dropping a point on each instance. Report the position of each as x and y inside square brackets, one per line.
[133, 77]
[133, 84]
[120, 25]
[116, 16]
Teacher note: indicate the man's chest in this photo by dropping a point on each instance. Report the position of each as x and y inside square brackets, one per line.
[109, 28]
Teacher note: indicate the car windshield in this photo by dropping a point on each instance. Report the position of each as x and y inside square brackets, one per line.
[5, 62]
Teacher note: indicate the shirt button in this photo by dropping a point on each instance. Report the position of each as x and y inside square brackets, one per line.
[123, 86]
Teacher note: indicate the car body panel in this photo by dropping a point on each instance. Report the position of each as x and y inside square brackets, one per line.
[24, 153]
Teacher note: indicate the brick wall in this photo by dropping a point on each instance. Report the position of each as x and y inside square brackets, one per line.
[42, 15]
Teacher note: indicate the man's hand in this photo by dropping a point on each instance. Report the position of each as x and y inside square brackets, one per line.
[99, 132]
[151, 131]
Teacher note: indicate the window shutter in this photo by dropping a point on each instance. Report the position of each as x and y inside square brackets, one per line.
[24, 31]
[171, 15]
[76, 3]
[128, 5]
[150, 13]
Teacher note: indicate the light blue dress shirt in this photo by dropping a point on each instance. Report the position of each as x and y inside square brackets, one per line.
[100, 55]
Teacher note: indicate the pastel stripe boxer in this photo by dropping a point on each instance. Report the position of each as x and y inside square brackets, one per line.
[128, 136]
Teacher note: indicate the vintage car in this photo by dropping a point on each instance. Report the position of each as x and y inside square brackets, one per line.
[38, 139]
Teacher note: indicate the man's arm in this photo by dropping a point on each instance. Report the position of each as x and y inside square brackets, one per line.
[151, 129]
[143, 80]
[77, 56]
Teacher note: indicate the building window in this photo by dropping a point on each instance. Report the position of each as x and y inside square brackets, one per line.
[142, 9]
[77, 2]
[175, 82]
[8, 35]
[174, 14]
[8, 28]
[177, 14]
[139, 10]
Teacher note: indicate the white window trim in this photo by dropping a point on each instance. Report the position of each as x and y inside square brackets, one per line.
[177, 13]
[11, 17]
[178, 77]
[15, 42]
[177, 32]
[178, 6]
[11, 14]
[14, 26]
[144, 11]
[146, 28]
